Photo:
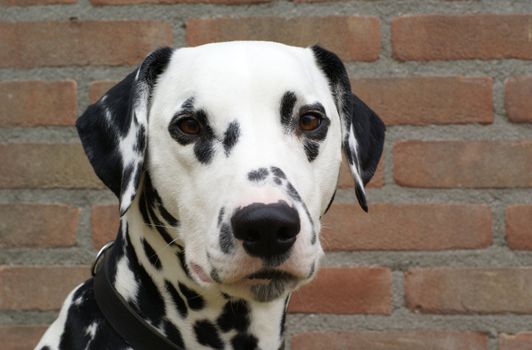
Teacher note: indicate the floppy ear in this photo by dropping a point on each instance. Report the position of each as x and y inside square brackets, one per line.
[113, 130]
[362, 129]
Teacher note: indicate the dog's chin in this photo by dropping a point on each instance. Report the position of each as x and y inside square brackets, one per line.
[263, 286]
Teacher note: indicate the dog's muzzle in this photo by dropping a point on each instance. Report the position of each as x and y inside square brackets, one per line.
[266, 230]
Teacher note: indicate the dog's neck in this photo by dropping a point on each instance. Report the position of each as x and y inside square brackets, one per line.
[151, 275]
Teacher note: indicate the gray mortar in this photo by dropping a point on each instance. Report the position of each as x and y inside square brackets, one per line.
[497, 255]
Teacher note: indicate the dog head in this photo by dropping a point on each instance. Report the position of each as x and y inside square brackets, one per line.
[237, 147]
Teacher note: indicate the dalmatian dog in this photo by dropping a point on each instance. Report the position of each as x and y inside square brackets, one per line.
[224, 157]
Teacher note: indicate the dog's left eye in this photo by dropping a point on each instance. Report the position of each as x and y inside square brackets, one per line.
[189, 126]
[309, 121]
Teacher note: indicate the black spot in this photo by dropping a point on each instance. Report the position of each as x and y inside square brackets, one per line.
[141, 140]
[181, 258]
[226, 239]
[312, 149]
[194, 300]
[188, 105]
[126, 177]
[288, 102]
[278, 172]
[221, 215]
[149, 302]
[258, 175]
[312, 269]
[173, 334]
[244, 342]
[292, 192]
[206, 334]
[45, 348]
[215, 276]
[149, 201]
[231, 137]
[283, 319]
[170, 219]
[151, 255]
[235, 315]
[277, 180]
[204, 147]
[178, 301]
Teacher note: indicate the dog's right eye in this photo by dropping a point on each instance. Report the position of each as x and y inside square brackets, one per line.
[189, 126]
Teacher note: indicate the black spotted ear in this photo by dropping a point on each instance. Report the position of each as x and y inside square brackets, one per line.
[362, 130]
[113, 130]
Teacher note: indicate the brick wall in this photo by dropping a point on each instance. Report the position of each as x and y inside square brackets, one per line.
[444, 258]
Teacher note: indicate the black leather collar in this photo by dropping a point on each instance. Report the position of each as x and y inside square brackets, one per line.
[121, 316]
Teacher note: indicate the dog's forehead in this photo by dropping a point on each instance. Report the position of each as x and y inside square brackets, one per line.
[243, 75]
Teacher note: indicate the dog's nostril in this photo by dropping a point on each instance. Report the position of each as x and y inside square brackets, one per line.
[266, 230]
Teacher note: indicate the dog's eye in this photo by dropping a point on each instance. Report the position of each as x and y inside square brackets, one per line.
[309, 121]
[189, 126]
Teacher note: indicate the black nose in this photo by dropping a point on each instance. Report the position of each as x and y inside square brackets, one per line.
[266, 230]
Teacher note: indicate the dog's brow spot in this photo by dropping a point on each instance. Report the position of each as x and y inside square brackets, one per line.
[258, 175]
[288, 102]
[278, 172]
[231, 137]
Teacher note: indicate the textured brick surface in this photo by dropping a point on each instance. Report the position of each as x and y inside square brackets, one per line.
[517, 99]
[35, 2]
[226, 2]
[519, 227]
[104, 221]
[38, 287]
[98, 88]
[469, 290]
[360, 39]
[519, 341]
[80, 43]
[346, 180]
[450, 37]
[20, 337]
[391, 340]
[469, 164]
[428, 100]
[37, 225]
[45, 166]
[407, 227]
[346, 291]
[38, 102]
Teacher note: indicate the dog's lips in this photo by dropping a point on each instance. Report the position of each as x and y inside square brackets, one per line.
[202, 275]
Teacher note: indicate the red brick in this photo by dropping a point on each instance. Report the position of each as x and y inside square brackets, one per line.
[428, 100]
[45, 166]
[451, 37]
[519, 341]
[361, 290]
[104, 221]
[20, 337]
[38, 225]
[407, 227]
[360, 39]
[469, 290]
[80, 43]
[346, 180]
[518, 101]
[35, 2]
[387, 340]
[98, 88]
[38, 102]
[223, 2]
[519, 227]
[466, 164]
[38, 287]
